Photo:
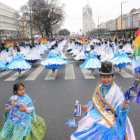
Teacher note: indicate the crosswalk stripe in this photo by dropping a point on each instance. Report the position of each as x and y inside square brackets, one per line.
[87, 74]
[73, 61]
[129, 67]
[124, 74]
[15, 76]
[51, 76]
[2, 74]
[69, 72]
[35, 73]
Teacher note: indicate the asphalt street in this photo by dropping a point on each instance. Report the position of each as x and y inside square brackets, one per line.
[54, 99]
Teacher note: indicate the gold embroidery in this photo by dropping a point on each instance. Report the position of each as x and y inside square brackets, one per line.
[126, 136]
[103, 115]
[109, 116]
[103, 108]
[98, 90]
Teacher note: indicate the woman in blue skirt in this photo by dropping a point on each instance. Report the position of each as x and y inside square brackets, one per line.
[54, 61]
[121, 59]
[92, 62]
[18, 63]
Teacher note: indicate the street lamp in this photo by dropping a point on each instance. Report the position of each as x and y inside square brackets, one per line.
[99, 27]
[121, 14]
[31, 33]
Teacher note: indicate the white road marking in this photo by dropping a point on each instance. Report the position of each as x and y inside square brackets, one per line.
[15, 76]
[35, 73]
[129, 67]
[2, 74]
[124, 74]
[87, 74]
[69, 72]
[51, 76]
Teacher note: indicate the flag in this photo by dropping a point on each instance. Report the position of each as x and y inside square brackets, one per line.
[9, 44]
[46, 40]
[43, 41]
[114, 37]
[83, 41]
[137, 44]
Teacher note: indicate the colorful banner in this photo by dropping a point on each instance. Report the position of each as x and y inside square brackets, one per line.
[137, 44]
[43, 40]
[83, 41]
[9, 44]
[114, 37]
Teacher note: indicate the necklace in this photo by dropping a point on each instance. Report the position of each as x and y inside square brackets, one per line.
[103, 89]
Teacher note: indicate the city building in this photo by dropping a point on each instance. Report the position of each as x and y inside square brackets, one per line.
[24, 27]
[111, 25]
[136, 18]
[9, 24]
[103, 25]
[124, 22]
[119, 23]
[88, 23]
[129, 20]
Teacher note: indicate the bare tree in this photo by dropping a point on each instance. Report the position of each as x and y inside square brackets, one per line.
[44, 14]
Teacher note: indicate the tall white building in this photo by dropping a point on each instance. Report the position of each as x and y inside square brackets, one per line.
[8, 22]
[88, 23]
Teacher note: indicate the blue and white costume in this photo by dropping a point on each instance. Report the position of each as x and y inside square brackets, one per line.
[127, 49]
[6, 57]
[81, 56]
[22, 125]
[70, 46]
[32, 56]
[108, 54]
[2, 65]
[105, 118]
[18, 63]
[121, 59]
[54, 61]
[92, 62]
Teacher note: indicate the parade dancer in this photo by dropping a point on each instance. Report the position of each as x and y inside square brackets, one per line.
[91, 63]
[21, 121]
[106, 117]
[54, 61]
[5, 56]
[108, 53]
[128, 49]
[133, 92]
[18, 63]
[33, 55]
[121, 59]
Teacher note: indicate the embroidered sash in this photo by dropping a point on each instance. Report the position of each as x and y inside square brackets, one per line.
[104, 108]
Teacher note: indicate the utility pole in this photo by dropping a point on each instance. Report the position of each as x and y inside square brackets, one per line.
[122, 15]
[121, 19]
[31, 33]
[98, 26]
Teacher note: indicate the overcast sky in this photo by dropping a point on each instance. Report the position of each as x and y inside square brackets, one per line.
[105, 9]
